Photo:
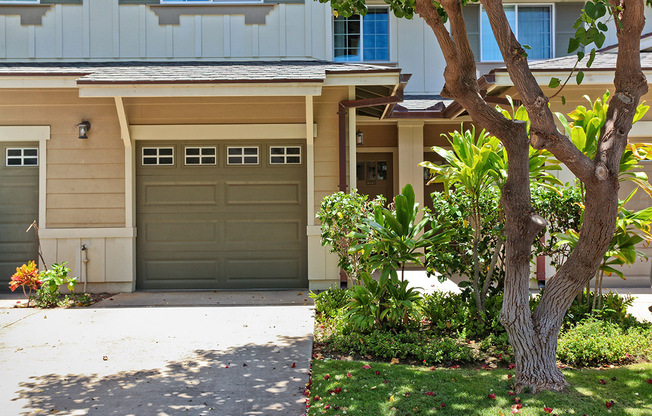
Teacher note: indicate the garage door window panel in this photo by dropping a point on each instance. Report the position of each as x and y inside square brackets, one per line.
[200, 156]
[22, 156]
[242, 156]
[285, 155]
[158, 156]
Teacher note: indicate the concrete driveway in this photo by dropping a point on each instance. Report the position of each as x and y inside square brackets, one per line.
[194, 353]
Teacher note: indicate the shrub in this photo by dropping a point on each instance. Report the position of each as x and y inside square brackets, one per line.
[49, 294]
[600, 342]
[330, 302]
[26, 275]
[613, 309]
[340, 215]
[404, 345]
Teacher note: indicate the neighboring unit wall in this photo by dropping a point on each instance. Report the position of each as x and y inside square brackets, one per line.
[84, 190]
[323, 271]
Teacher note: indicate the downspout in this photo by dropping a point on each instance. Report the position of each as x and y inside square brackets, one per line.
[396, 97]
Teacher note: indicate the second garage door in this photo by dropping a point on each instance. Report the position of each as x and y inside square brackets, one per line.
[18, 206]
[221, 215]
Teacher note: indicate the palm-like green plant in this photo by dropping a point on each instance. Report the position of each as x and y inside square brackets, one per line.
[478, 164]
[632, 228]
[394, 238]
[584, 131]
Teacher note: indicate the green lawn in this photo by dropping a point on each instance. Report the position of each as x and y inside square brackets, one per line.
[414, 390]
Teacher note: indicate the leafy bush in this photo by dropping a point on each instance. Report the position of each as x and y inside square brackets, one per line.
[26, 275]
[340, 215]
[329, 303]
[613, 309]
[49, 294]
[384, 304]
[600, 342]
[404, 345]
[444, 312]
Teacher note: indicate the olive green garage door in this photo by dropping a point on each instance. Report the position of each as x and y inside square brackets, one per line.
[221, 215]
[18, 206]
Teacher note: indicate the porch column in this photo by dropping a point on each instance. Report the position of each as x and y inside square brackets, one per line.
[410, 154]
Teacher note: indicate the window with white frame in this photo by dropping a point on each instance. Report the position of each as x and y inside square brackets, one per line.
[242, 155]
[362, 38]
[158, 156]
[209, 1]
[532, 25]
[200, 155]
[23, 156]
[285, 155]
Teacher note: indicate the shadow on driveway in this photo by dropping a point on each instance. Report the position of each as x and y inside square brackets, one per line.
[246, 380]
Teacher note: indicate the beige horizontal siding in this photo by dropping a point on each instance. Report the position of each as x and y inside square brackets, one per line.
[326, 142]
[85, 178]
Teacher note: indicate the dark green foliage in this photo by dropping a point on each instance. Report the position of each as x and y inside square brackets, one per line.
[411, 345]
[613, 310]
[456, 256]
[562, 208]
[599, 342]
[341, 216]
[328, 303]
[442, 325]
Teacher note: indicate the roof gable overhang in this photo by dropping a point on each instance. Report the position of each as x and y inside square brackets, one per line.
[192, 79]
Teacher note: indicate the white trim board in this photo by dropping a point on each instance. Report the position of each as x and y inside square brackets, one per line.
[51, 233]
[219, 131]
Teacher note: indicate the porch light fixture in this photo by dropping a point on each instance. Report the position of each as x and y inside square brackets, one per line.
[359, 138]
[83, 127]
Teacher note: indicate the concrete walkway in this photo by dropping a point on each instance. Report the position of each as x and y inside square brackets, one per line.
[231, 353]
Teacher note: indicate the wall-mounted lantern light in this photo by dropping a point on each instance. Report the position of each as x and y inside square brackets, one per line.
[359, 138]
[83, 127]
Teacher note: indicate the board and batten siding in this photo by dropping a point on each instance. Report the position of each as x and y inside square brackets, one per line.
[132, 31]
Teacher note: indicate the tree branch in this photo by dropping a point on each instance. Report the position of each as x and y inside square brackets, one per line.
[543, 133]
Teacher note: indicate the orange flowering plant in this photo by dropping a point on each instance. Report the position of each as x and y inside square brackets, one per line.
[26, 275]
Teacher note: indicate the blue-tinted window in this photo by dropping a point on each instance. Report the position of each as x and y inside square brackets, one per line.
[534, 30]
[358, 38]
[530, 24]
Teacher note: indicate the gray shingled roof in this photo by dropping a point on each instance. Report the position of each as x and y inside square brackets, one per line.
[192, 72]
[605, 61]
[422, 103]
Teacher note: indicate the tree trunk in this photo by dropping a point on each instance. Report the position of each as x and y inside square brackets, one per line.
[534, 336]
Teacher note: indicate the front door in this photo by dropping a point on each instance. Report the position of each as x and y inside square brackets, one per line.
[375, 175]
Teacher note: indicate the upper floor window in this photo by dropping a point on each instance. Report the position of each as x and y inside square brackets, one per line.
[532, 26]
[210, 1]
[362, 38]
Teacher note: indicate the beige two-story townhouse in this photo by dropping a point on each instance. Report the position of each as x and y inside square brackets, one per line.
[188, 144]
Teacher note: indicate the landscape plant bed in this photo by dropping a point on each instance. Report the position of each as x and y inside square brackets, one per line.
[372, 388]
[89, 300]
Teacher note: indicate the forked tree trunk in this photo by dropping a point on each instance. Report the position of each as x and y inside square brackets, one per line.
[534, 336]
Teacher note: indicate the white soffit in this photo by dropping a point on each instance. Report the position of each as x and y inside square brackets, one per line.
[200, 90]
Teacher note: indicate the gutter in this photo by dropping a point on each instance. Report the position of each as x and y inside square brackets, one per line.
[396, 97]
